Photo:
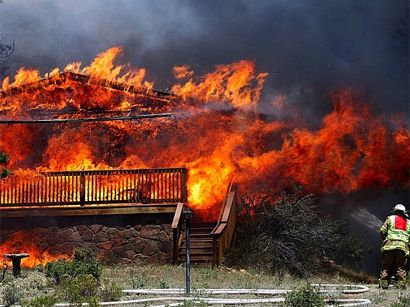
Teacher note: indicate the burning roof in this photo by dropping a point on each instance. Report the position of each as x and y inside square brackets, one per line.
[76, 93]
[217, 134]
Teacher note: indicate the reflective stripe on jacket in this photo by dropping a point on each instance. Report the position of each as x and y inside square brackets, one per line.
[397, 231]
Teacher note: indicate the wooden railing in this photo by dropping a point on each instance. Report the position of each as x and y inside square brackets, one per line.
[145, 186]
[176, 232]
[223, 232]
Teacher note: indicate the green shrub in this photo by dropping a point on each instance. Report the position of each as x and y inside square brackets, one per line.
[84, 263]
[110, 291]
[140, 281]
[305, 296]
[84, 254]
[4, 172]
[402, 301]
[81, 289]
[42, 301]
[163, 284]
[285, 233]
[4, 158]
[11, 295]
[59, 270]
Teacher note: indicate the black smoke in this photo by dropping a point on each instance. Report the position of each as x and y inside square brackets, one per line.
[309, 47]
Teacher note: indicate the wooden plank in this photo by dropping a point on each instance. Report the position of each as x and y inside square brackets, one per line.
[183, 186]
[219, 229]
[67, 187]
[177, 216]
[87, 210]
[228, 208]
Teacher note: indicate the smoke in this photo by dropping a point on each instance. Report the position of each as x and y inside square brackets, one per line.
[309, 48]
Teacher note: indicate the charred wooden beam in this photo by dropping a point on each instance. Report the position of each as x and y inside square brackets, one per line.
[70, 76]
[83, 120]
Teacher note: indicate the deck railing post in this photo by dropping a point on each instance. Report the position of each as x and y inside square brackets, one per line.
[184, 193]
[82, 189]
[148, 186]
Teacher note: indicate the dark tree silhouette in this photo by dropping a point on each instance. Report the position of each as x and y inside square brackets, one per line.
[4, 160]
[5, 51]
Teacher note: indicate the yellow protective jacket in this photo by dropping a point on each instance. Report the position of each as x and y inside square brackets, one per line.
[396, 233]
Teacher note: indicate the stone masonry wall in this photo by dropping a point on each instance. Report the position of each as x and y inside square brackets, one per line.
[114, 239]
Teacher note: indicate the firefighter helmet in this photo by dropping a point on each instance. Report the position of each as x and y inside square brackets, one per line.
[399, 208]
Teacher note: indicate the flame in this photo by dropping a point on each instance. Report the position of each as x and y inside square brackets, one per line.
[236, 83]
[26, 242]
[351, 150]
[218, 134]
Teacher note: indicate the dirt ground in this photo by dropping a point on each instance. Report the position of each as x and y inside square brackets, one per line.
[34, 283]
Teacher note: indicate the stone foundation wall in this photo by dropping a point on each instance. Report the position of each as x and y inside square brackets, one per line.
[114, 239]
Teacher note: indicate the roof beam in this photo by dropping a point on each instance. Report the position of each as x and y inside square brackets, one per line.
[83, 120]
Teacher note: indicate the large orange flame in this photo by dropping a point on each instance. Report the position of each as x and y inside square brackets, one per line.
[25, 242]
[218, 134]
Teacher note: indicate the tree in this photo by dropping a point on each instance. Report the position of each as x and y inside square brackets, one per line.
[5, 51]
[286, 233]
[4, 160]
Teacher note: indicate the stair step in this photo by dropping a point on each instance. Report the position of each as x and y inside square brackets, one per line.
[202, 225]
[197, 250]
[198, 244]
[201, 243]
[200, 235]
[201, 230]
[199, 262]
[196, 257]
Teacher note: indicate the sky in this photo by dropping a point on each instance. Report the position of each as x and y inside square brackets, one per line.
[309, 48]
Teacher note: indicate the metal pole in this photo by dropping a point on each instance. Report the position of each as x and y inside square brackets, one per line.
[188, 257]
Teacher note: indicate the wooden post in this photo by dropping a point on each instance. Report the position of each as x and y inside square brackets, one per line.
[184, 192]
[176, 227]
[215, 251]
[175, 248]
[82, 189]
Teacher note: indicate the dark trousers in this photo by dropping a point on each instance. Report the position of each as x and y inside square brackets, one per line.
[393, 263]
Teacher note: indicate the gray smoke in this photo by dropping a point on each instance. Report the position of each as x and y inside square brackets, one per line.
[309, 47]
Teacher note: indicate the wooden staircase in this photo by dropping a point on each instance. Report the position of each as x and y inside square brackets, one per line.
[208, 240]
[201, 243]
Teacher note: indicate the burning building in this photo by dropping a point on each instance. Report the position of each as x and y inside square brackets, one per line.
[217, 133]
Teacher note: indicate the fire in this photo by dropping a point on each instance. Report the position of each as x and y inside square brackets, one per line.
[237, 83]
[218, 134]
[24, 242]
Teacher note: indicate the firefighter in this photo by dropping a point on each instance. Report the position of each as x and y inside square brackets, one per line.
[395, 234]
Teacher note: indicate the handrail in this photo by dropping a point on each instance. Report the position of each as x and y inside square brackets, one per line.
[140, 186]
[224, 203]
[176, 229]
[222, 234]
[177, 217]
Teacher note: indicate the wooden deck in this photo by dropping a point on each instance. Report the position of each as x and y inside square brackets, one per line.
[102, 192]
[35, 211]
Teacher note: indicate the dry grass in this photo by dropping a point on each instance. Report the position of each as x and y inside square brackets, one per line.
[167, 276]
